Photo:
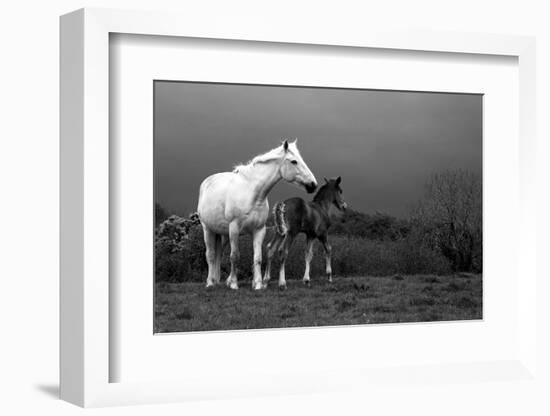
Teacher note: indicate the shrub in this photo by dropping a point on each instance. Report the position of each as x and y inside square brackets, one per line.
[182, 259]
[179, 250]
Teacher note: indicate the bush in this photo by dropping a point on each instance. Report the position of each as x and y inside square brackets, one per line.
[179, 250]
[378, 226]
[186, 263]
[183, 259]
[354, 256]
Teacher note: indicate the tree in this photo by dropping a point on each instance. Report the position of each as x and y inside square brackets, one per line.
[450, 217]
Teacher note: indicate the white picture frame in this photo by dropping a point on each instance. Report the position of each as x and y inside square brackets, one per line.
[85, 164]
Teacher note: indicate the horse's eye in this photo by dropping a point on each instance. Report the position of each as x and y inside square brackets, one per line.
[294, 162]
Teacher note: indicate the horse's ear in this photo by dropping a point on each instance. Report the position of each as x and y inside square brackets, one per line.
[326, 180]
[285, 145]
[338, 180]
[295, 140]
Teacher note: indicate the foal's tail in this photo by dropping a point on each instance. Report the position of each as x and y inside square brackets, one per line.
[279, 218]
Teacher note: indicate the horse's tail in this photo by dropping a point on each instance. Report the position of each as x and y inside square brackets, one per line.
[279, 218]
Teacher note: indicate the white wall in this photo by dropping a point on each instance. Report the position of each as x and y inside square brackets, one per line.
[29, 184]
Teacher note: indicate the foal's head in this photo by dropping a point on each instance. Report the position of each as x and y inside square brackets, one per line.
[332, 193]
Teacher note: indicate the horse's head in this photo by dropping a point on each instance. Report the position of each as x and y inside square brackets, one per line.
[332, 192]
[294, 169]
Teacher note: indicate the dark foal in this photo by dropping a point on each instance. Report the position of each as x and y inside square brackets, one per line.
[295, 216]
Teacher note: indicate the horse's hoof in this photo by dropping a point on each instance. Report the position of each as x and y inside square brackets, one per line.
[307, 283]
[257, 286]
[282, 287]
[231, 284]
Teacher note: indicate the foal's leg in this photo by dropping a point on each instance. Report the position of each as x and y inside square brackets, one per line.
[309, 256]
[272, 248]
[257, 241]
[285, 246]
[210, 243]
[234, 256]
[328, 252]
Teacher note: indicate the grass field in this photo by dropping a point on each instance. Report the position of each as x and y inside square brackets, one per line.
[181, 307]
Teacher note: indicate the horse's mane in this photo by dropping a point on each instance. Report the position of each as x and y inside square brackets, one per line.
[323, 190]
[321, 193]
[275, 153]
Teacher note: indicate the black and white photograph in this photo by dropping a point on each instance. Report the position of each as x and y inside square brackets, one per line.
[296, 206]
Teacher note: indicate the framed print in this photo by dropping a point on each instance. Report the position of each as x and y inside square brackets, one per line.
[193, 268]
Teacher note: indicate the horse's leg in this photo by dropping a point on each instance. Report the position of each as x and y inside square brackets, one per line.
[210, 243]
[272, 248]
[257, 241]
[309, 256]
[234, 256]
[220, 243]
[328, 253]
[285, 246]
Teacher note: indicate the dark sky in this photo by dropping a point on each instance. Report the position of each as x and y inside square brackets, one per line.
[384, 144]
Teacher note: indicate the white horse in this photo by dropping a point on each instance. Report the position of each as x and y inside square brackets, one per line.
[232, 203]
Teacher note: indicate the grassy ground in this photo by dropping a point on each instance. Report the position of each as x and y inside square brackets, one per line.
[183, 307]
